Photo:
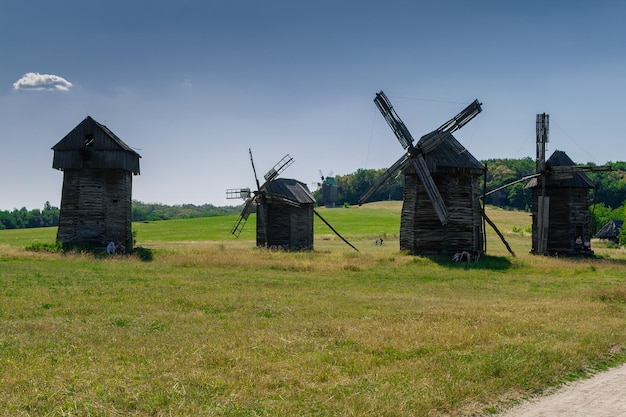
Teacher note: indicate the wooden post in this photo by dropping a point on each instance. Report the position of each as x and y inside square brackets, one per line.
[543, 223]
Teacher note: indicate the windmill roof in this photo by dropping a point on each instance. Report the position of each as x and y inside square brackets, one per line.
[106, 149]
[290, 189]
[610, 230]
[451, 154]
[560, 159]
[68, 144]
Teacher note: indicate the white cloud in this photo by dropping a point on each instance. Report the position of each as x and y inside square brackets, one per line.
[34, 81]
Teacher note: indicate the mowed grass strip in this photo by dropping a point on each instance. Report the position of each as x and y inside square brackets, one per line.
[218, 327]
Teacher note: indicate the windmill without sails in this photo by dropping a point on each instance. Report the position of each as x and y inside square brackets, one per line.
[560, 197]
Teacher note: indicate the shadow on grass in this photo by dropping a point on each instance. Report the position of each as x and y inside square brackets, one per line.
[602, 258]
[99, 252]
[492, 263]
[144, 254]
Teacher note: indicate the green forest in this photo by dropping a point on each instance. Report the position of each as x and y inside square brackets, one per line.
[608, 200]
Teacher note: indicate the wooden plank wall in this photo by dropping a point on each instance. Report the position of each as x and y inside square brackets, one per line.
[96, 207]
[290, 228]
[421, 232]
[301, 225]
[569, 211]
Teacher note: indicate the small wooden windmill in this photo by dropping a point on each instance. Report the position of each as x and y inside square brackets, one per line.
[441, 212]
[330, 190]
[284, 210]
[560, 199]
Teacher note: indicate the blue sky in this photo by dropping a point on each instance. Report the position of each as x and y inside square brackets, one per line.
[191, 85]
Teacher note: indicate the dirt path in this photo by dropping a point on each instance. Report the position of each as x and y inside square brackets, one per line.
[603, 395]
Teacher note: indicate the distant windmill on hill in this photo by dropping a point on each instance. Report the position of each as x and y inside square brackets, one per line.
[330, 190]
[284, 210]
[441, 211]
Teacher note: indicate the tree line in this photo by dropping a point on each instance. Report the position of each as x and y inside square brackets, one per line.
[49, 216]
[154, 211]
[500, 171]
[610, 191]
[23, 218]
[608, 199]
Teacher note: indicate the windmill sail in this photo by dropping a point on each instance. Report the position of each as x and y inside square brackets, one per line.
[395, 123]
[431, 189]
[280, 166]
[243, 218]
[258, 197]
[237, 193]
[415, 155]
[431, 140]
[391, 172]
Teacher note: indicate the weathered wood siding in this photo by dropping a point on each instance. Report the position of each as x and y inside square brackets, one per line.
[97, 186]
[569, 217]
[421, 232]
[96, 207]
[95, 159]
[283, 226]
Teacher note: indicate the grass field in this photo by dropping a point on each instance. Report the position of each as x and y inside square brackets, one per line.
[212, 326]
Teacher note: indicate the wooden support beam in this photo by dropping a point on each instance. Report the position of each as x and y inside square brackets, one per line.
[493, 225]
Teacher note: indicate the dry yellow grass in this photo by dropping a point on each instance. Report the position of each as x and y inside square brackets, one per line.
[222, 328]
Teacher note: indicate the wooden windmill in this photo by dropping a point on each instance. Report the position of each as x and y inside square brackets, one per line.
[441, 212]
[330, 190]
[560, 199]
[97, 186]
[284, 210]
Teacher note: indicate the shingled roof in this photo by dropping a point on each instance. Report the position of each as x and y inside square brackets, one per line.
[451, 154]
[610, 230]
[291, 189]
[560, 159]
[93, 145]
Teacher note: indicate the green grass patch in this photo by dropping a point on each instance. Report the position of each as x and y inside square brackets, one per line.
[212, 325]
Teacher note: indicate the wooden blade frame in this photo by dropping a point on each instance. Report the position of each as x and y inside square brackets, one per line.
[258, 186]
[243, 218]
[395, 123]
[236, 193]
[280, 166]
[423, 174]
[400, 165]
[461, 119]
[431, 140]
